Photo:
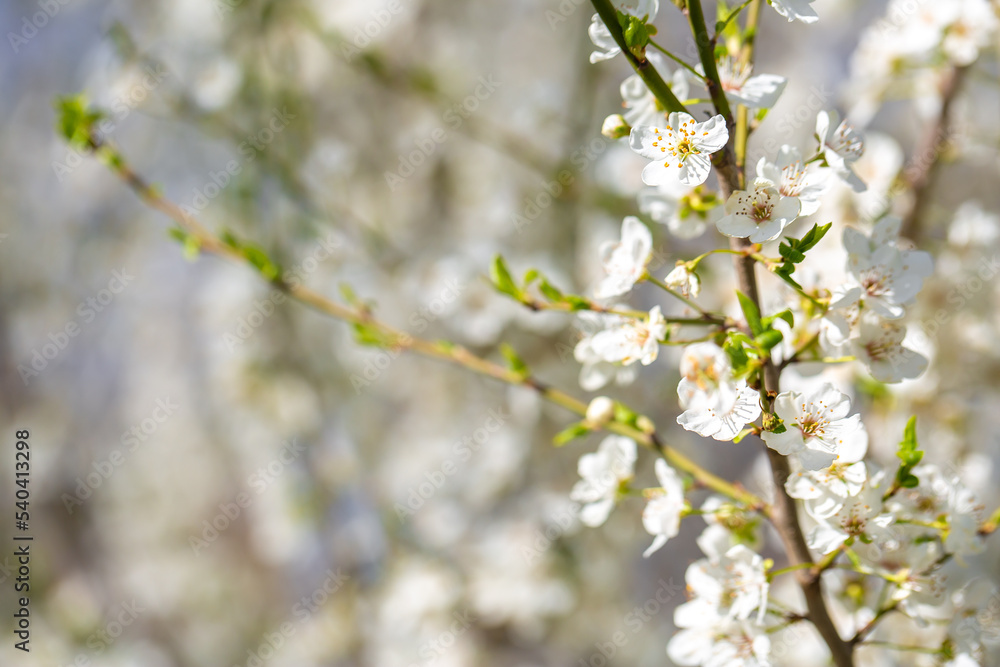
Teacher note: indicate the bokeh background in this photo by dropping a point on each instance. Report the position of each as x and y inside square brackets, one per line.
[407, 136]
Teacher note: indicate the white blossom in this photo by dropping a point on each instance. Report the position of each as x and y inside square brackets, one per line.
[859, 516]
[680, 149]
[717, 643]
[879, 346]
[890, 278]
[602, 474]
[817, 427]
[759, 214]
[625, 261]
[731, 586]
[754, 92]
[684, 280]
[632, 340]
[795, 10]
[662, 516]
[595, 372]
[796, 180]
[841, 145]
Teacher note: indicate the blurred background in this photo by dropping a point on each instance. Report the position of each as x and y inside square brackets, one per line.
[219, 479]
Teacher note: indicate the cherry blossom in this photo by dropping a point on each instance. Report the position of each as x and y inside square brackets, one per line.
[680, 149]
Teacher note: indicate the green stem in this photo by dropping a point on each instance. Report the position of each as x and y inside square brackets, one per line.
[677, 60]
[736, 12]
[663, 286]
[661, 91]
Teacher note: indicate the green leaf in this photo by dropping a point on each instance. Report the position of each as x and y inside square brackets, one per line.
[768, 339]
[530, 276]
[785, 315]
[751, 312]
[76, 119]
[909, 455]
[514, 360]
[549, 291]
[570, 433]
[502, 279]
[625, 415]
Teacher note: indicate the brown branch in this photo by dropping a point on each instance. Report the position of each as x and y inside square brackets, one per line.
[925, 165]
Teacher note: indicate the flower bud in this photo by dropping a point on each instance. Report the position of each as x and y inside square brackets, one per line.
[600, 411]
[684, 280]
[615, 127]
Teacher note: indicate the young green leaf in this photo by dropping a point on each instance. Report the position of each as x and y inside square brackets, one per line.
[751, 312]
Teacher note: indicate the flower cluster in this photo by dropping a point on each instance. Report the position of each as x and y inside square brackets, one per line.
[861, 521]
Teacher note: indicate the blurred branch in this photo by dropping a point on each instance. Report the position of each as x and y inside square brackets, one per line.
[927, 161]
[360, 316]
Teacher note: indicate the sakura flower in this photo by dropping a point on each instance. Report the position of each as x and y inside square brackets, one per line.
[841, 318]
[595, 372]
[685, 211]
[731, 587]
[600, 36]
[841, 145]
[754, 92]
[795, 10]
[879, 346]
[828, 489]
[817, 427]
[760, 213]
[607, 47]
[602, 474]
[714, 404]
[706, 375]
[721, 644]
[722, 422]
[728, 525]
[859, 516]
[662, 516]
[939, 496]
[795, 180]
[889, 277]
[634, 340]
[625, 261]
[972, 24]
[684, 280]
[680, 150]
